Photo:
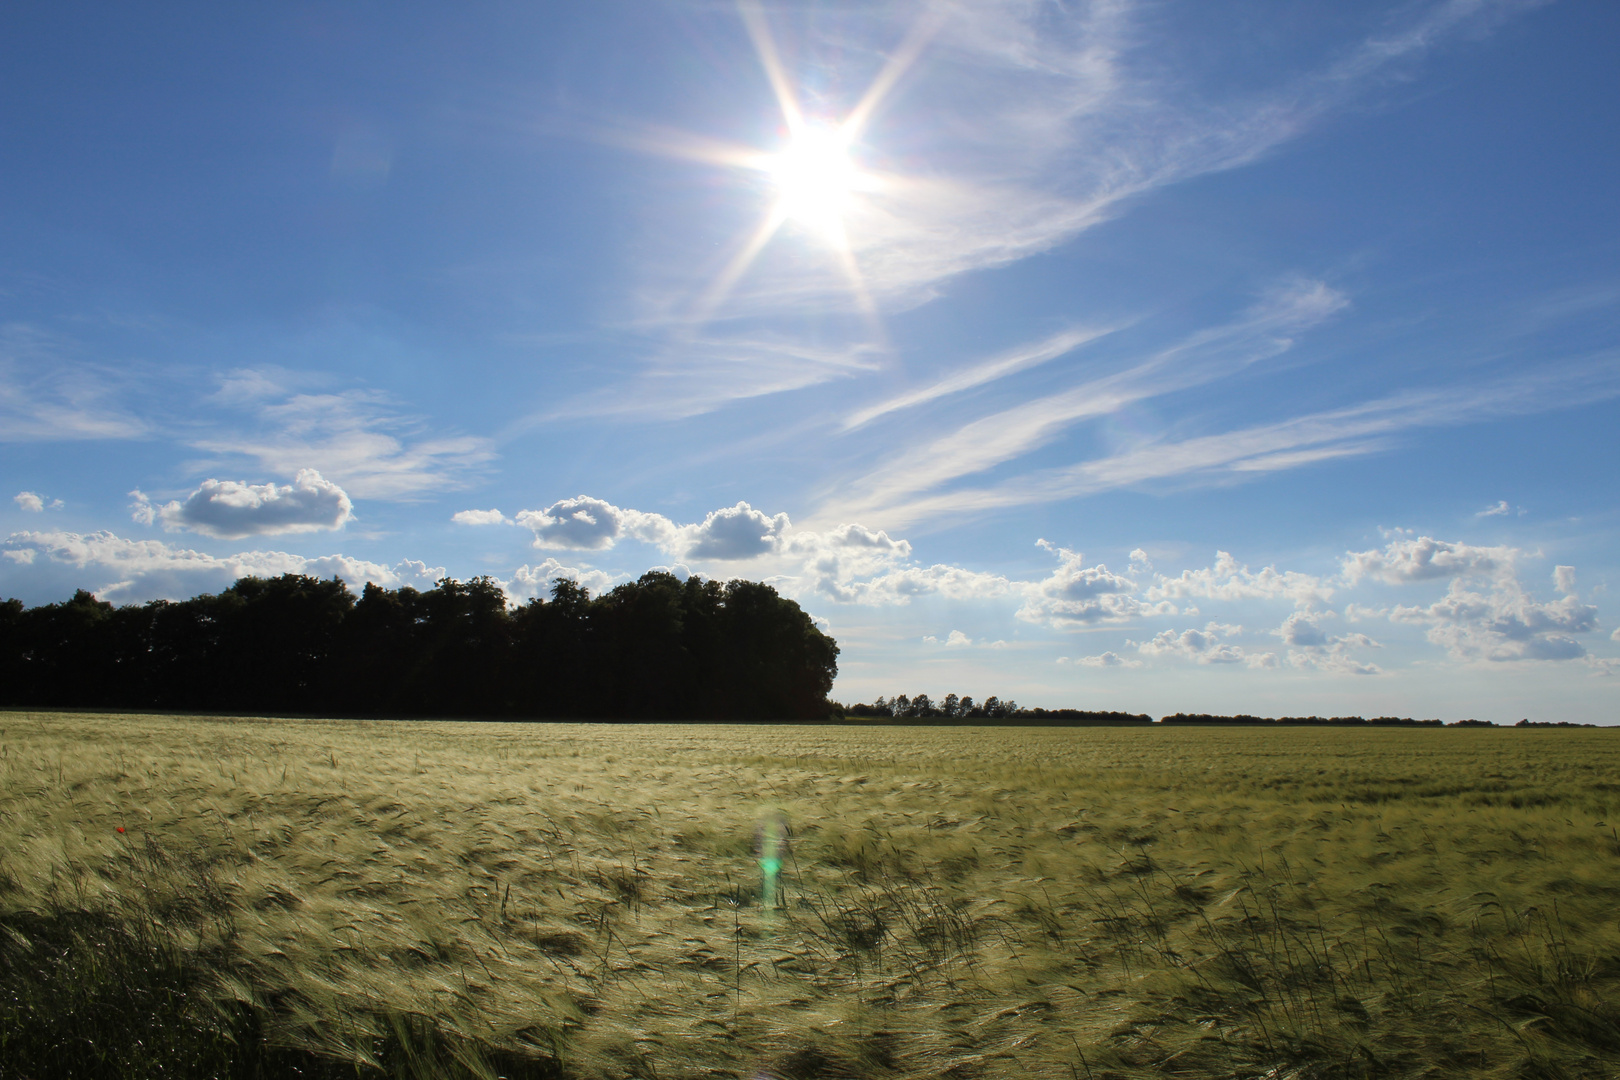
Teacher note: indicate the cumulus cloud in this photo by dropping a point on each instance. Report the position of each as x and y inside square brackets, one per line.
[850, 562]
[1486, 612]
[1424, 558]
[232, 510]
[859, 537]
[835, 558]
[901, 585]
[958, 640]
[34, 503]
[1204, 647]
[1304, 629]
[1103, 660]
[530, 581]
[1312, 648]
[480, 517]
[589, 524]
[1228, 581]
[1497, 620]
[1077, 595]
[737, 532]
[138, 570]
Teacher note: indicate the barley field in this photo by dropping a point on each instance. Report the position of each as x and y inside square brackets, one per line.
[195, 897]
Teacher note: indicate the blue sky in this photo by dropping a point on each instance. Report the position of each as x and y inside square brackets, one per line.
[1155, 356]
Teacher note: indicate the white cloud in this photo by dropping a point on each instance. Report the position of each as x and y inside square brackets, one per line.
[1486, 613]
[997, 367]
[1103, 660]
[1262, 332]
[831, 560]
[895, 495]
[835, 558]
[1304, 629]
[692, 376]
[1501, 509]
[34, 503]
[737, 532]
[138, 570]
[958, 640]
[1424, 558]
[1312, 648]
[529, 581]
[901, 585]
[48, 396]
[1203, 647]
[480, 517]
[357, 438]
[1499, 621]
[1055, 117]
[1042, 121]
[1140, 564]
[1228, 581]
[1077, 595]
[232, 510]
[591, 524]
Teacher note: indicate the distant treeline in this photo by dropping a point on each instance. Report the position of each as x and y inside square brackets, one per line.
[993, 709]
[650, 649]
[965, 709]
[1385, 721]
[1244, 718]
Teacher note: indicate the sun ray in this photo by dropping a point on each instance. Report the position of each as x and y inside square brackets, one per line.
[911, 46]
[683, 145]
[721, 287]
[759, 32]
[857, 284]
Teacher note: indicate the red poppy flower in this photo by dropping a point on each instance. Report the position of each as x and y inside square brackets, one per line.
[120, 828]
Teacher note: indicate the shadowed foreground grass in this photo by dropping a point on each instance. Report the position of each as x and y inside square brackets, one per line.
[335, 899]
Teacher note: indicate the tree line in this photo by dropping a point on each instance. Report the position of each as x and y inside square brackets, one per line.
[655, 648]
[965, 709]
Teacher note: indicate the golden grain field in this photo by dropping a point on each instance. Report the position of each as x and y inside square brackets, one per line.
[365, 898]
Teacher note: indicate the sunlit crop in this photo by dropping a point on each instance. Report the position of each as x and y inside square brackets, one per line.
[424, 899]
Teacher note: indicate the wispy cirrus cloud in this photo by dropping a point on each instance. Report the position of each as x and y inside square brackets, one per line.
[1041, 123]
[1355, 430]
[1268, 329]
[1000, 366]
[693, 376]
[357, 438]
[46, 395]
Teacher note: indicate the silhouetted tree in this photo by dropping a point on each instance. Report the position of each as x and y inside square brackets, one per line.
[653, 648]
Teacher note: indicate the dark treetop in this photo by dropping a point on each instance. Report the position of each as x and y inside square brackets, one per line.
[655, 648]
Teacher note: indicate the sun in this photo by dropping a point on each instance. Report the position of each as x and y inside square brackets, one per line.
[815, 179]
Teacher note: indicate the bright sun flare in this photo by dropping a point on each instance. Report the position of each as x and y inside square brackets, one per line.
[815, 178]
